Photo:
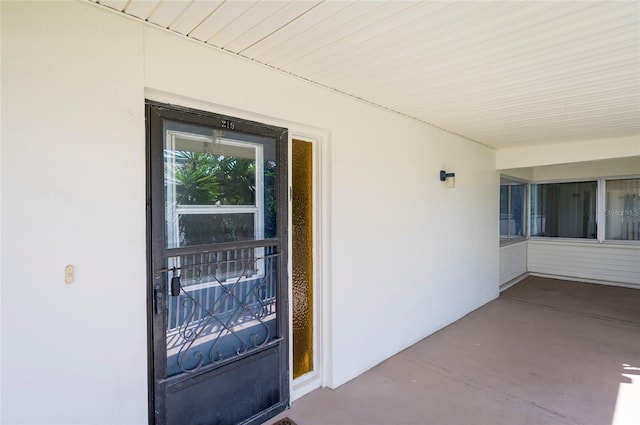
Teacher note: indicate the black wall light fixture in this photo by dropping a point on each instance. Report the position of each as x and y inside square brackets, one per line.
[450, 178]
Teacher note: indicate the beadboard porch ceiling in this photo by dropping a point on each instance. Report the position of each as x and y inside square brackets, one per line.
[502, 73]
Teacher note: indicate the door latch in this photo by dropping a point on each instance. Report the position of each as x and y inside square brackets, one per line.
[175, 286]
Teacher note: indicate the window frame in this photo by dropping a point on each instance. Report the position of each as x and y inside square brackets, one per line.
[600, 211]
[602, 186]
[257, 209]
[525, 206]
[597, 212]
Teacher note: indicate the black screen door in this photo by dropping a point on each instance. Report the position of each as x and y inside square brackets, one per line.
[217, 268]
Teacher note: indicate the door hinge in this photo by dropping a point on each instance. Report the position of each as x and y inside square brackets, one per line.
[291, 193]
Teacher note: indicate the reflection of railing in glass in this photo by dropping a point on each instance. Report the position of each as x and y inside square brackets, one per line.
[226, 307]
[200, 229]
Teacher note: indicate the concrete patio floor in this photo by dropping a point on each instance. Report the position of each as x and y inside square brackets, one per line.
[545, 352]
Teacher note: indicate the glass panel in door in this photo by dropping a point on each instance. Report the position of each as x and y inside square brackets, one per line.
[218, 189]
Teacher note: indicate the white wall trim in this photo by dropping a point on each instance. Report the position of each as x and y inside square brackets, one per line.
[522, 277]
[579, 279]
[316, 378]
[584, 242]
[514, 281]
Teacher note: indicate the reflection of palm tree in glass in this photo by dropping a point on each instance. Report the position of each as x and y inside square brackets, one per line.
[209, 179]
[270, 204]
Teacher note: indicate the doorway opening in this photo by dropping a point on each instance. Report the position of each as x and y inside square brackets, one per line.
[217, 268]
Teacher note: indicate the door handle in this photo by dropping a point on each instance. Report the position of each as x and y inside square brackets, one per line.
[157, 298]
[175, 286]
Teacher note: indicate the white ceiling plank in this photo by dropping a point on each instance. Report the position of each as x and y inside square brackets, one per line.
[567, 126]
[141, 8]
[531, 86]
[479, 107]
[194, 15]
[167, 12]
[509, 77]
[434, 62]
[398, 45]
[251, 19]
[495, 123]
[603, 127]
[481, 58]
[362, 42]
[528, 86]
[224, 15]
[532, 49]
[576, 124]
[506, 116]
[114, 4]
[542, 99]
[306, 43]
[624, 104]
[312, 18]
[342, 37]
[272, 24]
[548, 106]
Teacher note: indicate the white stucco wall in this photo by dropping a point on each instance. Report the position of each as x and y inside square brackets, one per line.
[74, 79]
[629, 166]
[564, 153]
[72, 193]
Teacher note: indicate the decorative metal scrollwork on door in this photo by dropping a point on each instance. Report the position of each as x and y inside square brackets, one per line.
[225, 308]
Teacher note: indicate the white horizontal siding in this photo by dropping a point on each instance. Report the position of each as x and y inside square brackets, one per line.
[513, 261]
[607, 262]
